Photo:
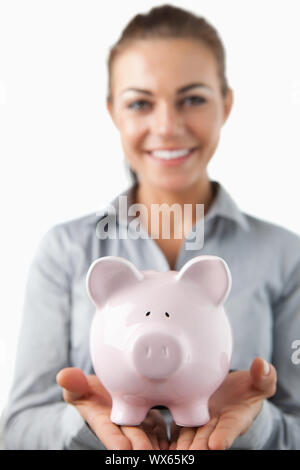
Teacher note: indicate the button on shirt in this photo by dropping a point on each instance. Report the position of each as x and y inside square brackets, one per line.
[263, 308]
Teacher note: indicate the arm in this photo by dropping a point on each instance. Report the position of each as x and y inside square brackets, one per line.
[36, 416]
[278, 424]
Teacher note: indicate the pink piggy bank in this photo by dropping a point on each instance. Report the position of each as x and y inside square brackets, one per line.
[160, 338]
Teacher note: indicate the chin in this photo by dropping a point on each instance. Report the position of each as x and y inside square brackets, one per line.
[174, 184]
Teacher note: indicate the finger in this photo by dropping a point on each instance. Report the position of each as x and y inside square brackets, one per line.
[74, 383]
[162, 436]
[160, 431]
[150, 426]
[154, 440]
[172, 445]
[110, 434]
[186, 437]
[159, 427]
[150, 431]
[227, 429]
[76, 388]
[263, 376]
[202, 435]
[138, 438]
[174, 431]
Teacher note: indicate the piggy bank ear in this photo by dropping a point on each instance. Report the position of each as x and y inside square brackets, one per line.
[211, 275]
[108, 274]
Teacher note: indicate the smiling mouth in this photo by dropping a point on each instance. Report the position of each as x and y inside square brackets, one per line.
[171, 158]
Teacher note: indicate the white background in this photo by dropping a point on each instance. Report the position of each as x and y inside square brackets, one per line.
[61, 157]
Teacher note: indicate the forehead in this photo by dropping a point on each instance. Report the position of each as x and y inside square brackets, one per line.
[166, 63]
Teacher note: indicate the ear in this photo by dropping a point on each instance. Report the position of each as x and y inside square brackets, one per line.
[211, 275]
[108, 274]
[109, 108]
[228, 103]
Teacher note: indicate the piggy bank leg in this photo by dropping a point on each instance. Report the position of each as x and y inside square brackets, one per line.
[194, 413]
[125, 414]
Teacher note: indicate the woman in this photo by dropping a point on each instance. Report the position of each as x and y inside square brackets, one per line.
[176, 62]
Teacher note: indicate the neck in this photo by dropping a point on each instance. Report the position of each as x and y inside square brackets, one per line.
[199, 193]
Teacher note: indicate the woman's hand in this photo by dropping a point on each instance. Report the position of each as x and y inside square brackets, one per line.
[233, 408]
[94, 404]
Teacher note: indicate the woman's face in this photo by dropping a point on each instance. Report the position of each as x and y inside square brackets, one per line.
[161, 115]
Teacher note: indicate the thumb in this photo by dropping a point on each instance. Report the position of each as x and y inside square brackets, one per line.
[263, 376]
[74, 383]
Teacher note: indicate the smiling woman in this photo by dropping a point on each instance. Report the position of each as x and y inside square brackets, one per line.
[182, 106]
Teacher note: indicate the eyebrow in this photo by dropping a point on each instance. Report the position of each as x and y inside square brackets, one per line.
[179, 91]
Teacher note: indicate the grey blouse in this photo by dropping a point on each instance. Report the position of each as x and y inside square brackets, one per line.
[263, 308]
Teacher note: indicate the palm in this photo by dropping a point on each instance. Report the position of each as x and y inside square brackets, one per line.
[232, 409]
[234, 393]
[94, 404]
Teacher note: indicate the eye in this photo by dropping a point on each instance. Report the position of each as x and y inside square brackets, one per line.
[196, 99]
[133, 105]
[147, 314]
[167, 315]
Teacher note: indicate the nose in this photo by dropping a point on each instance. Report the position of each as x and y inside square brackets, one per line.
[157, 355]
[167, 121]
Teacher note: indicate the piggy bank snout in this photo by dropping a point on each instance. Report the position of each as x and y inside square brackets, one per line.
[156, 355]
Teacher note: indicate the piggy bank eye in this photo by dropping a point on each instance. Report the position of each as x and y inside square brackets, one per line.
[147, 314]
[167, 315]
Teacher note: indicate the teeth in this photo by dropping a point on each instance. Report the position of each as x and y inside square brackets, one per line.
[167, 154]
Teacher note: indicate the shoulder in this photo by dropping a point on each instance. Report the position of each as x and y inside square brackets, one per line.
[270, 230]
[76, 229]
[264, 228]
[276, 240]
[71, 238]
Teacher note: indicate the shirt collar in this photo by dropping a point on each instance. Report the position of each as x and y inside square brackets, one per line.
[222, 206]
